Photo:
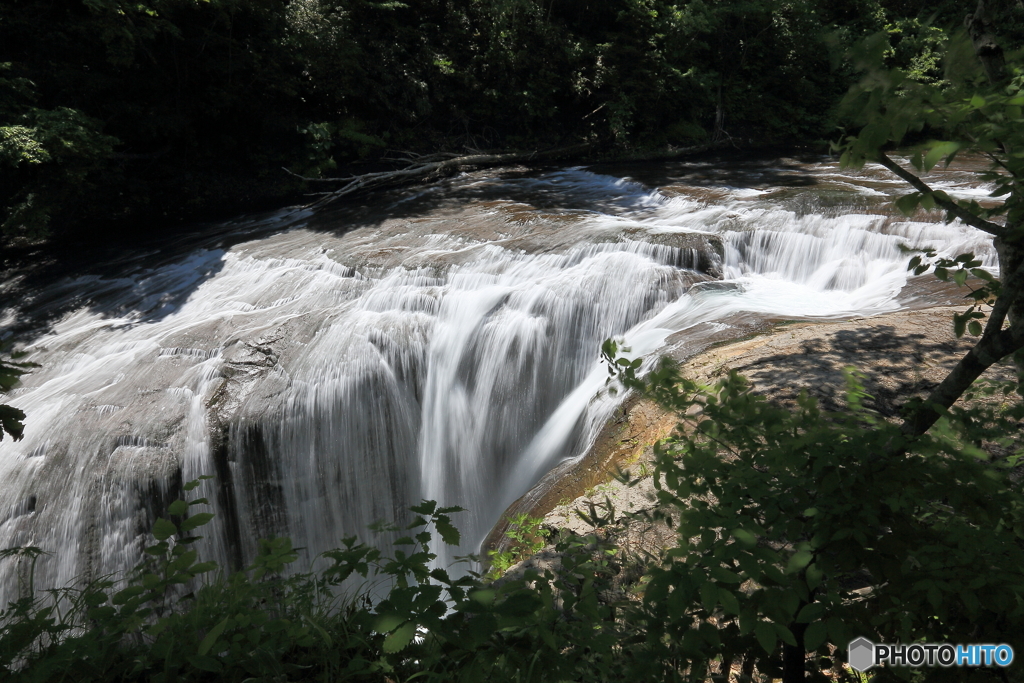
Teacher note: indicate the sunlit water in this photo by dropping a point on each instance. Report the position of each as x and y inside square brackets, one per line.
[330, 370]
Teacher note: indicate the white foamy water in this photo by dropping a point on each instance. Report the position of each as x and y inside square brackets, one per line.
[330, 372]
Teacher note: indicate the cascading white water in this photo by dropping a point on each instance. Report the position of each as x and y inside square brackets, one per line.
[331, 371]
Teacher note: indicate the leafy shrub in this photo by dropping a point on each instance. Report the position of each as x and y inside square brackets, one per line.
[797, 531]
[525, 536]
[260, 624]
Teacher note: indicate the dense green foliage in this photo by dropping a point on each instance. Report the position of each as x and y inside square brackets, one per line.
[158, 110]
[525, 536]
[260, 625]
[976, 107]
[795, 529]
[808, 529]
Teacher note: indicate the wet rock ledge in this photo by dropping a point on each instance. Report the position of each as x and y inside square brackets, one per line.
[902, 354]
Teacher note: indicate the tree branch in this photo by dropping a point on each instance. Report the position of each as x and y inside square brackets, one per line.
[998, 315]
[948, 205]
[312, 180]
[425, 168]
[989, 350]
[995, 344]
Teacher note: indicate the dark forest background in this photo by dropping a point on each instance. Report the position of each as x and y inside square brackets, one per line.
[152, 112]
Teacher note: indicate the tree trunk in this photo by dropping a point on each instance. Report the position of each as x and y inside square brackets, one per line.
[988, 50]
[1011, 265]
[995, 344]
[719, 132]
[794, 657]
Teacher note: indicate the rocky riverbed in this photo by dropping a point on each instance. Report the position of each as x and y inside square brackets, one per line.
[902, 355]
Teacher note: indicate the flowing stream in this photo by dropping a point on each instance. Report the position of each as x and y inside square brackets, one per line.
[332, 369]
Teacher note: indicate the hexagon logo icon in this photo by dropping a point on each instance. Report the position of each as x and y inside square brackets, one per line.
[861, 654]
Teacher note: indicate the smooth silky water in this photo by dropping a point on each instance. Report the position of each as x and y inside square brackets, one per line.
[442, 343]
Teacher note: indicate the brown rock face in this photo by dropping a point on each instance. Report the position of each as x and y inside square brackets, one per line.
[636, 425]
[901, 354]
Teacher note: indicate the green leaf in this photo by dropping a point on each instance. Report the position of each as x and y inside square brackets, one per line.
[205, 663]
[766, 636]
[449, 534]
[427, 507]
[837, 630]
[485, 596]
[400, 638]
[127, 594]
[164, 529]
[95, 598]
[178, 507]
[937, 152]
[799, 560]
[959, 325]
[810, 612]
[875, 134]
[724, 575]
[815, 636]
[386, 623]
[212, 636]
[907, 204]
[974, 327]
[709, 595]
[183, 561]
[196, 482]
[745, 537]
[519, 604]
[729, 602]
[785, 634]
[196, 520]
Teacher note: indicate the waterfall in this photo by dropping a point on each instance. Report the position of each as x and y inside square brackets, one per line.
[330, 370]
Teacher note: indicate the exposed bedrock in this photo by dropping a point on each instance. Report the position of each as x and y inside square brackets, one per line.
[332, 369]
[902, 355]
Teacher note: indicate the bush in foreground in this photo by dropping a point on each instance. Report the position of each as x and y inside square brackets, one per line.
[797, 531]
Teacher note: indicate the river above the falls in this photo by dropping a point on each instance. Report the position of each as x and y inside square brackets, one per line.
[330, 369]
